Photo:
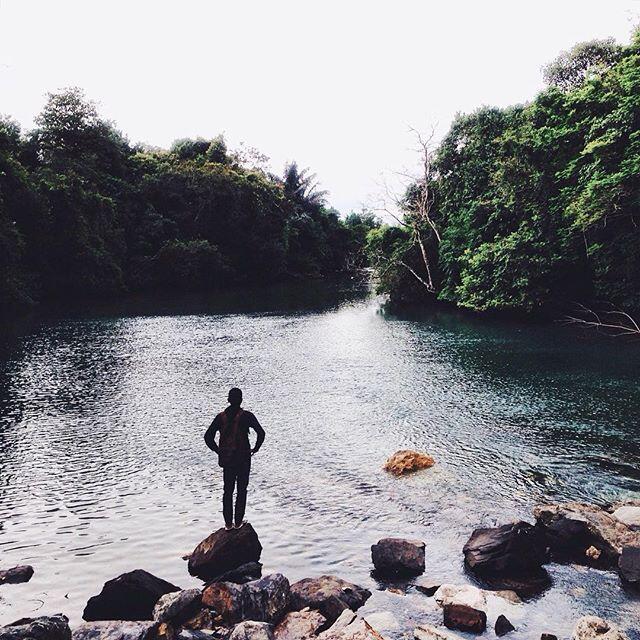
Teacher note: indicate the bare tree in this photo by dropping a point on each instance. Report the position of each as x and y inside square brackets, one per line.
[412, 206]
[614, 322]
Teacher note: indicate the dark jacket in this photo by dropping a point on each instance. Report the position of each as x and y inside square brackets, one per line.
[234, 435]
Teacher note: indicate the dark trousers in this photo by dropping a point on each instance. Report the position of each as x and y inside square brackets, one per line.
[235, 473]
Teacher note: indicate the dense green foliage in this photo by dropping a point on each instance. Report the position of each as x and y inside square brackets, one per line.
[537, 206]
[84, 213]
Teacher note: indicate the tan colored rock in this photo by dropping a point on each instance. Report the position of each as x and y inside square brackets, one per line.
[593, 552]
[594, 628]
[350, 626]
[429, 632]
[464, 594]
[298, 625]
[407, 461]
[629, 515]
[508, 595]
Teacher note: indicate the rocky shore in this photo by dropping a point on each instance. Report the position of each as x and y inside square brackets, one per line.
[236, 602]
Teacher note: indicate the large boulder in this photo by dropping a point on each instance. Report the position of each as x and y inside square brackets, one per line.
[396, 556]
[252, 630]
[300, 625]
[116, 630]
[264, 600]
[594, 628]
[43, 628]
[177, 606]
[509, 557]
[130, 596]
[584, 533]
[350, 626]
[328, 594]
[464, 618]
[224, 551]
[629, 566]
[407, 461]
[15, 575]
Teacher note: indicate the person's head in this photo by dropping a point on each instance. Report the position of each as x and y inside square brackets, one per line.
[235, 397]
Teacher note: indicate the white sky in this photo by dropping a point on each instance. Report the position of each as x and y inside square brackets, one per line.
[331, 84]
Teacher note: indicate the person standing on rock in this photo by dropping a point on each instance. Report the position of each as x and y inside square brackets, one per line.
[234, 454]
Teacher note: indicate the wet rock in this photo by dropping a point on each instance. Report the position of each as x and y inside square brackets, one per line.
[189, 634]
[16, 575]
[548, 636]
[299, 625]
[116, 630]
[328, 594]
[629, 566]
[465, 594]
[407, 461]
[245, 573]
[350, 626]
[225, 551]
[429, 632]
[252, 630]
[396, 556]
[130, 596]
[464, 618]
[572, 528]
[42, 628]
[202, 620]
[177, 606]
[629, 515]
[594, 628]
[264, 600]
[503, 625]
[428, 587]
[509, 557]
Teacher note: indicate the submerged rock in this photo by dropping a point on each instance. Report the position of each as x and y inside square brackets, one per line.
[16, 575]
[350, 626]
[464, 618]
[407, 461]
[465, 594]
[396, 556]
[299, 625]
[177, 606]
[571, 529]
[225, 551]
[328, 594]
[629, 566]
[509, 557]
[429, 632]
[42, 628]
[252, 630]
[594, 628]
[116, 630]
[130, 596]
[503, 625]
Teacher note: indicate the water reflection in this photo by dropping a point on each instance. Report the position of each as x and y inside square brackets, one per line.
[103, 467]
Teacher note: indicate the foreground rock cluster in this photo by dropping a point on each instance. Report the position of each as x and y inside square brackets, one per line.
[238, 603]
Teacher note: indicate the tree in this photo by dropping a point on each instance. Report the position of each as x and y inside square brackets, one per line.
[302, 188]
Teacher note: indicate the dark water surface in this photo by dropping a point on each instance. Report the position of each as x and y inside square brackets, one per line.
[103, 468]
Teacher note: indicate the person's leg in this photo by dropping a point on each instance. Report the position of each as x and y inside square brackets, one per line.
[243, 481]
[229, 477]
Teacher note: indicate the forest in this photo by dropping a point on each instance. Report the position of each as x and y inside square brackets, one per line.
[84, 213]
[532, 208]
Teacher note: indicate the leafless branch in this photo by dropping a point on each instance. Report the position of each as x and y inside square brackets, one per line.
[613, 322]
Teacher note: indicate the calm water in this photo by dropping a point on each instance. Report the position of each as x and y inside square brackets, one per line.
[103, 468]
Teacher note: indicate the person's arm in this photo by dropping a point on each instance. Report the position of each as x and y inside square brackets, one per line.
[255, 425]
[210, 435]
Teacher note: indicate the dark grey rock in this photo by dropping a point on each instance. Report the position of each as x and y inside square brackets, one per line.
[116, 630]
[252, 630]
[245, 573]
[130, 596]
[503, 625]
[16, 575]
[42, 628]
[396, 556]
[177, 606]
[629, 566]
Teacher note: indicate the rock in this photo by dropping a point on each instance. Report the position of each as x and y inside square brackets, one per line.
[407, 461]
[395, 556]
[264, 600]
[629, 515]
[203, 620]
[42, 628]
[189, 634]
[177, 606]
[350, 626]
[225, 551]
[572, 528]
[130, 596]
[465, 594]
[252, 630]
[116, 630]
[245, 573]
[503, 625]
[299, 625]
[460, 616]
[509, 557]
[15, 575]
[629, 566]
[428, 632]
[428, 587]
[593, 553]
[548, 636]
[508, 595]
[594, 628]
[328, 594]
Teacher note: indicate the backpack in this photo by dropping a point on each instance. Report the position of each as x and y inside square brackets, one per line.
[229, 440]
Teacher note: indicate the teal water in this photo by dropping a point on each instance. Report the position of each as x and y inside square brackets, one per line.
[103, 468]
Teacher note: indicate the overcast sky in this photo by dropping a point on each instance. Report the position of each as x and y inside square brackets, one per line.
[331, 84]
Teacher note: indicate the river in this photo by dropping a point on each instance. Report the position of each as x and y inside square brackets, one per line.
[103, 468]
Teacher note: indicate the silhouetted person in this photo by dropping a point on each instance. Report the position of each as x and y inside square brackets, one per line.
[234, 454]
